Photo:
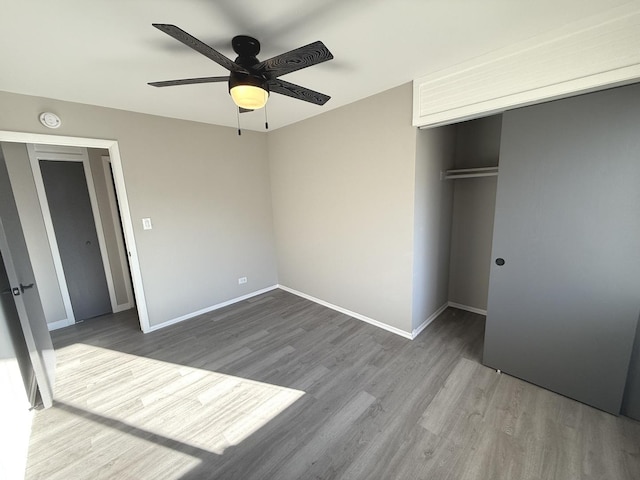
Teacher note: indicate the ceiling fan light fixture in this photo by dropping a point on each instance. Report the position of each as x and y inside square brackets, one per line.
[248, 91]
[249, 96]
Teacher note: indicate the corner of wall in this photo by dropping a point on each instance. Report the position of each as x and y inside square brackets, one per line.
[433, 207]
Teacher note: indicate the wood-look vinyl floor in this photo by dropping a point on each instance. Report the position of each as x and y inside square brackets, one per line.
[278, 387]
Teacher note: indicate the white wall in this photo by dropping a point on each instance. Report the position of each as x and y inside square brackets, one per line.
[343, 197]
[206, 190]
[433, 214]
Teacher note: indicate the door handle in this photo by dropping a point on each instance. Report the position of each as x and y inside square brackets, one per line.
[6, 291]
[24, 287]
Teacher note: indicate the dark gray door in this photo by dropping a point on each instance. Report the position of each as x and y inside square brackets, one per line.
[26, 303]
[68, 198]
[563, 308]
[13, 349]
[26, 346]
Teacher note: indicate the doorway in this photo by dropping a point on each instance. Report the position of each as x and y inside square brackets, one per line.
[130, 250]
[80, 212]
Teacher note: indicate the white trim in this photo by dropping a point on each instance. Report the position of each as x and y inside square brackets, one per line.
[427, 322]
[467, 308]
[376, 323]
[59, 324]
[603, 52]
[115, 218]
[188, 316]
[130, 240]
[51, 236]
[122, 307]
[59, 149]
[121, 192]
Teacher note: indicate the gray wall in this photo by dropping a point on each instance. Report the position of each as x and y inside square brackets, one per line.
[206, 190]
[361, 217]
[477, 145]
[26, 198]
[111, 229]
[343, 199]
[433, 205]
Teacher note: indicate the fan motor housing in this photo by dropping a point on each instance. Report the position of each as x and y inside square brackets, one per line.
[245, 46]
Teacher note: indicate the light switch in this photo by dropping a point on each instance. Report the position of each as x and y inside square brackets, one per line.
[146, 224]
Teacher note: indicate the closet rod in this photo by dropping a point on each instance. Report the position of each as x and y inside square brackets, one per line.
[470, 173]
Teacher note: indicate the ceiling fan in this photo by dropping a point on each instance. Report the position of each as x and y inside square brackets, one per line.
[250, 80]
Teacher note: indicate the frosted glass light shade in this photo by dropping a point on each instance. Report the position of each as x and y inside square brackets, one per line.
[249, 96]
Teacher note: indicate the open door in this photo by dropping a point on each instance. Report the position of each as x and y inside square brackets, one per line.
[24, 292]
[16, 376]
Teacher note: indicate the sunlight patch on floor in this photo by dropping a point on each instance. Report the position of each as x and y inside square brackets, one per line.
[203, 409]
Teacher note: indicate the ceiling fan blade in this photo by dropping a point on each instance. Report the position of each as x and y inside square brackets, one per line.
[198, 46]
[244, 110]
[188, 81]
[297, 59]
[296, 91]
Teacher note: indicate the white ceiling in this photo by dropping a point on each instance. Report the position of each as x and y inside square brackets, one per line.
[103, 52]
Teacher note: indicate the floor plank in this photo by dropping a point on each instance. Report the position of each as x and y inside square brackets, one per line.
[277, 387]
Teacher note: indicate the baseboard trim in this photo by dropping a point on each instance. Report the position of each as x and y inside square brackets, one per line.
[59, 324]
[123, 307]
[355, 315]
[468, 308]
[425, 324]
[173, 321]
[358, 316]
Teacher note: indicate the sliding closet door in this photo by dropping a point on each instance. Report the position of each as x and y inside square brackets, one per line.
[564, 305]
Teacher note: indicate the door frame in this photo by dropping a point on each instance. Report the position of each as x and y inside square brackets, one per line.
[123, 201]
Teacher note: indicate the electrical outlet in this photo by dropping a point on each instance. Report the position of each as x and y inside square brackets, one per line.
[242, 280]
[146, 224]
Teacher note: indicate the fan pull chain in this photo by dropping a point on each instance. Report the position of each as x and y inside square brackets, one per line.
[266, 119]
[238, 117]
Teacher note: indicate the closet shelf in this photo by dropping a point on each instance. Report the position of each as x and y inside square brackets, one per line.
[470, 173]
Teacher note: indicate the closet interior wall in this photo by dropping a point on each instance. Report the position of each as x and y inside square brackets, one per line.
[477, 145]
